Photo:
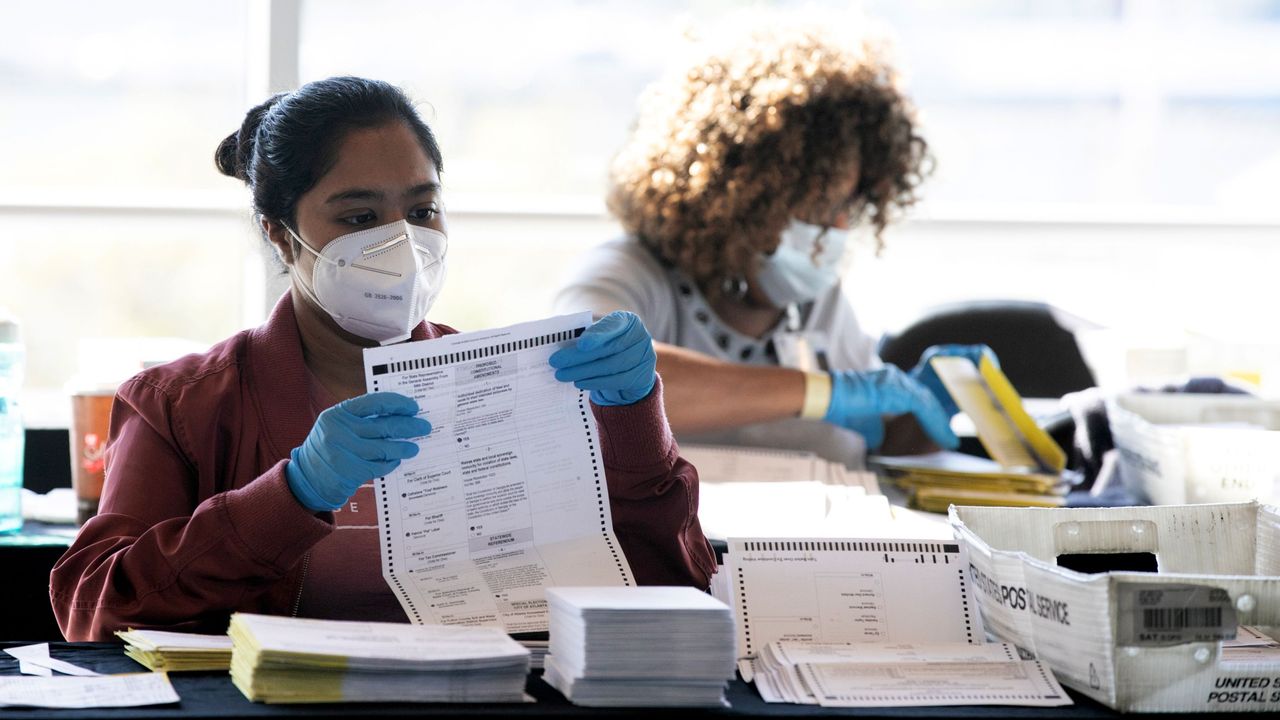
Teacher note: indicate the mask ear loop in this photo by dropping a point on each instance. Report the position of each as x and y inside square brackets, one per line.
[304, 244]
[306, 286]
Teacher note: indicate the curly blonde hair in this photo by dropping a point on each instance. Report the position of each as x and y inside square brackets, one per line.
[720, 159]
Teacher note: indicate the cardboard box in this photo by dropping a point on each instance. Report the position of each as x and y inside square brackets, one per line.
[1135, 641]
[1177, 449]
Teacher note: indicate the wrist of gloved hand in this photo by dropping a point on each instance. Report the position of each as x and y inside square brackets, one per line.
[310, 497]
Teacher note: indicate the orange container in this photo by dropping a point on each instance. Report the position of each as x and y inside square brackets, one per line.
[90, 420]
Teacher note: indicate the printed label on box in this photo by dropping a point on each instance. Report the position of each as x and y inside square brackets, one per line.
[1159, 614]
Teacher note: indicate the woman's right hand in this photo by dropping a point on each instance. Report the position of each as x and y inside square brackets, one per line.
[350, 444]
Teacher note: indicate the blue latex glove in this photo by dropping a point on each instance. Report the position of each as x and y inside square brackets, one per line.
[860, 399]
[614, 359]
[352, 443]
[924, 374]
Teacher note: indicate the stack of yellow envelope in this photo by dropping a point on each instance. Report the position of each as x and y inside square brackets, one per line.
[294, 660]
[177, 652]
[1026, 465]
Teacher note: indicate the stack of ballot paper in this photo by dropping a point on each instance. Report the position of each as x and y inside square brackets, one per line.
[177, 652]
[742, 489]
[537, 647]
[720, 464]
[1026, 465]
[639, 646]
[900, 674]
[293, 660]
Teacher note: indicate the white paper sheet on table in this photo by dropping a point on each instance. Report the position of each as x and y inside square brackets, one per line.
[38, 655]
[507, 495]
[850, 590]
[26, 667]
[132, 690]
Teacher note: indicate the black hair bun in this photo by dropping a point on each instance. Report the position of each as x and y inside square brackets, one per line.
[235, 153]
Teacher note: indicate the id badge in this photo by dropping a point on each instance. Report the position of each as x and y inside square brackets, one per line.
[802, 350]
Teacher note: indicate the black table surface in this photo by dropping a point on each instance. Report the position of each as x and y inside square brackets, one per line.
[211, 695]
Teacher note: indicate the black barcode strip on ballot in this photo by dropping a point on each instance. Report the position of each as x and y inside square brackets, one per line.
[1174, 618]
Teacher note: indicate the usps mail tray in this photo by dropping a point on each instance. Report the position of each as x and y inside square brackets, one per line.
[1156, 636]
[1177, 449]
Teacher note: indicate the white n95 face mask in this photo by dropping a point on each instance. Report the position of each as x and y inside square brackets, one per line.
[378, 283]
[798, 271]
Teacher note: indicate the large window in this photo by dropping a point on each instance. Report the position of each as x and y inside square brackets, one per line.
[1103, 103]
[121, 101]
[113, 221]
[1102, 122]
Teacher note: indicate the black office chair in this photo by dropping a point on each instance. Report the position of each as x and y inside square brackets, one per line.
[1037, 353]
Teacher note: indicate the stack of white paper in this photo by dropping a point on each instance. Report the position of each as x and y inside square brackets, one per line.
[639, 646]
[292, 660]
[538, 649]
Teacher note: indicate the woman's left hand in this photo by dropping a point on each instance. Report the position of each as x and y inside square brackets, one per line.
[614, 359]
[924, 373]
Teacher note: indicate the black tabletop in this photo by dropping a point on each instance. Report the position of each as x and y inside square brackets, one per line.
[211, 695]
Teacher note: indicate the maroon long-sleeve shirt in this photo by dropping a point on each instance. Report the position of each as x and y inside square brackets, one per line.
[197, 520]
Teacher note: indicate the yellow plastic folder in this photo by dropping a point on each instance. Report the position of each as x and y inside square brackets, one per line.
[1008, 433]
[1026, 465]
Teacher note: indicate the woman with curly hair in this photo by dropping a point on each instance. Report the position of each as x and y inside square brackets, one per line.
[737, 189]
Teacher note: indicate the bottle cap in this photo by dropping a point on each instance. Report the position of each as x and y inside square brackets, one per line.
[9, 332]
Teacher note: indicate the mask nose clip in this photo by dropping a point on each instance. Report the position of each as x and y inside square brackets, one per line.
[385, 244]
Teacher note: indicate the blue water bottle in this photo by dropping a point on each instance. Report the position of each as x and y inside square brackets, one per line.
[12, 358]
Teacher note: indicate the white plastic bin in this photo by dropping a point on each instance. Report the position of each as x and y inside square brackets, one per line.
[1135, 641]
[1183, 448]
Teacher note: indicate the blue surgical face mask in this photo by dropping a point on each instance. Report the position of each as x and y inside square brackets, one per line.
[806, 263]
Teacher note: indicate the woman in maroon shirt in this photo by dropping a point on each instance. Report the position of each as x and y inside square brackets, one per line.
[229, 473]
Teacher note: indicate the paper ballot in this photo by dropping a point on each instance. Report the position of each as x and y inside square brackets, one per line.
[840, 591]
[507, 495]
[1021, 682]
[901, 674]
